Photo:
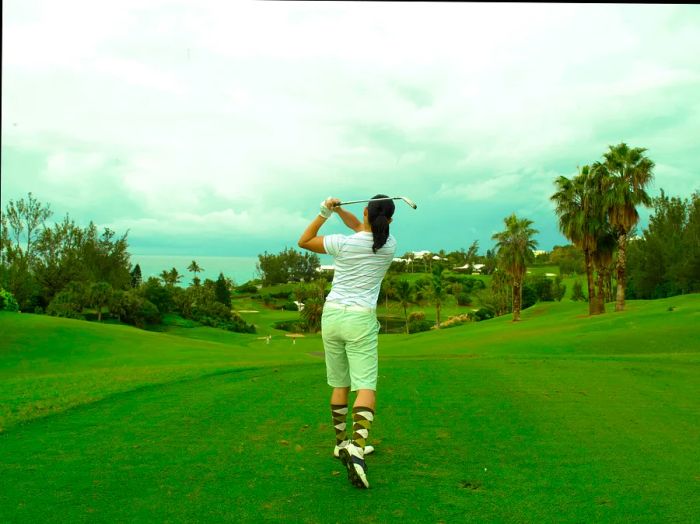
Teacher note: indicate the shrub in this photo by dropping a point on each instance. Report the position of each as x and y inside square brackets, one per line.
[248, 287]
[67, 303]
[529, 296]
[288, 325]
[483, 313]
[290, 306]
[457, 320]
[131, 308]
[216, 314]
[577, 292]
[464, 299]
[7, 301]
[418, 323]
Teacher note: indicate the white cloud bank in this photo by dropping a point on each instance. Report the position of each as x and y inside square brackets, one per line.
[240, 116]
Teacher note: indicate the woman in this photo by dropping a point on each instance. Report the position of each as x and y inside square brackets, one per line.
[349, 325]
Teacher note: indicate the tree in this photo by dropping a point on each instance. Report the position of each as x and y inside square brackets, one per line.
[99, 295]
[403, 291]
[569, 259]
[136, 277]
[314, 296]
[514, 248]
[194, 268]
[577, 292]
[472, 255]
[489, 263]
[582, 218]
[665, 260]
[628, 172]
[170, 278]
[438, 291]
[222, 290]
[288, 265]
[25, 217]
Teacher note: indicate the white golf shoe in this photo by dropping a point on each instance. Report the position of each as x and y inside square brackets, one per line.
[354, 460]
[336, 451]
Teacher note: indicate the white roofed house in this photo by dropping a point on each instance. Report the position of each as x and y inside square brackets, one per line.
[474, 268]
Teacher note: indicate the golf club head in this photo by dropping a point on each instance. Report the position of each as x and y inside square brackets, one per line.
[409, 202]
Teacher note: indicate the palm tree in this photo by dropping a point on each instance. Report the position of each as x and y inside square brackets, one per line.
[403, 291]
[438, 291]
[628, 172]
[578, 207]
[514, 251]
[602, 259]
[472, 255]
[170, 278]
[195, 268]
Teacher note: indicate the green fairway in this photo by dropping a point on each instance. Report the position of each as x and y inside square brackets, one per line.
[559, 418]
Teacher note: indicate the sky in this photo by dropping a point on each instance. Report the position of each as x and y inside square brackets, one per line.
[216, 128]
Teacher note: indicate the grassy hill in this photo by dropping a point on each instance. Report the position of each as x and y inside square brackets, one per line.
[559, 418]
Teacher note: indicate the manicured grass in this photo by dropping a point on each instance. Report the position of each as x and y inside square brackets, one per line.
[559, 418]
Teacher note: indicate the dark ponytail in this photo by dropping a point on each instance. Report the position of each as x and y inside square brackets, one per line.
[379, 213]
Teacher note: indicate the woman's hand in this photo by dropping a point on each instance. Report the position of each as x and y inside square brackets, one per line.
[328, 206]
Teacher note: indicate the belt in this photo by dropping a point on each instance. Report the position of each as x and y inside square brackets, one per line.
[335, 305]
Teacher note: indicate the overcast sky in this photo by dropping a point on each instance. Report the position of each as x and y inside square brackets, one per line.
[216, 128]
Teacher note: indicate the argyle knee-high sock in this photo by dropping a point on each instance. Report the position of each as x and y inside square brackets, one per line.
[340, 413]
[362, 418]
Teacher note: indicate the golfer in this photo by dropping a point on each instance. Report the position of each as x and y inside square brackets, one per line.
[349, 325]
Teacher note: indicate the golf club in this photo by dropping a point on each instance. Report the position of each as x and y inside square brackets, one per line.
[407, 200]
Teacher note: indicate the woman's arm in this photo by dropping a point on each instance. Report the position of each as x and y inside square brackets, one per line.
[309, 238]
[349, 219]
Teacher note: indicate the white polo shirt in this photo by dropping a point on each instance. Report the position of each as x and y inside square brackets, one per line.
[358, 271]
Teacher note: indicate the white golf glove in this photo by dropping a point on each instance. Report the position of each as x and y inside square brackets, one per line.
[327, 207]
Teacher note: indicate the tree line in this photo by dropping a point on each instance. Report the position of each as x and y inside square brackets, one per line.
[65, 269]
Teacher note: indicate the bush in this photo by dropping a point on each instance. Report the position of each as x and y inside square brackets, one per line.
[290, 306]
[418, 323]
[577, 292]
[7, 301]
[216, 314]
[529, 296]
[289, 325]
[464, 299]
[282, 294]
[457, 320]
[483, 313]
[248, 287]
[159, 295]
[68, 304]
[131, 308]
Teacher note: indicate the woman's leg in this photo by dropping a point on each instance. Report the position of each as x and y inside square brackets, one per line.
[365, 397]
[339, 397]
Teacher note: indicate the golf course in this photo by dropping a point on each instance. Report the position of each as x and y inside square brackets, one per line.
[562, 417]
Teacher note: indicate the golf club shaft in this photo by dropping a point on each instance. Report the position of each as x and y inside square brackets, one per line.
[369, 200]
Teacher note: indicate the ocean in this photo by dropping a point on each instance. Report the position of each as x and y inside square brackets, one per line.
[240, 269]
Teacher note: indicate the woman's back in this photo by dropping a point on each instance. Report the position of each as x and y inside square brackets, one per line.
[358, 270]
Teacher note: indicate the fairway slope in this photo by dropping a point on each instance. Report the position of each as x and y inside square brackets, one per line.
[558, 418]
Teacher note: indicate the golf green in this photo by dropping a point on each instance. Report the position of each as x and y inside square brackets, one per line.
[559, 418]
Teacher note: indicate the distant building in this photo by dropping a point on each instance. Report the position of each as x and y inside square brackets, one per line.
[325, 268]
[476, 268]
[538, 252]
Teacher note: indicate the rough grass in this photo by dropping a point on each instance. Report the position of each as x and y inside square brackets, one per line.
[558, 418]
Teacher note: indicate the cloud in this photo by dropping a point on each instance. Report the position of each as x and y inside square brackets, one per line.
[241, 116]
